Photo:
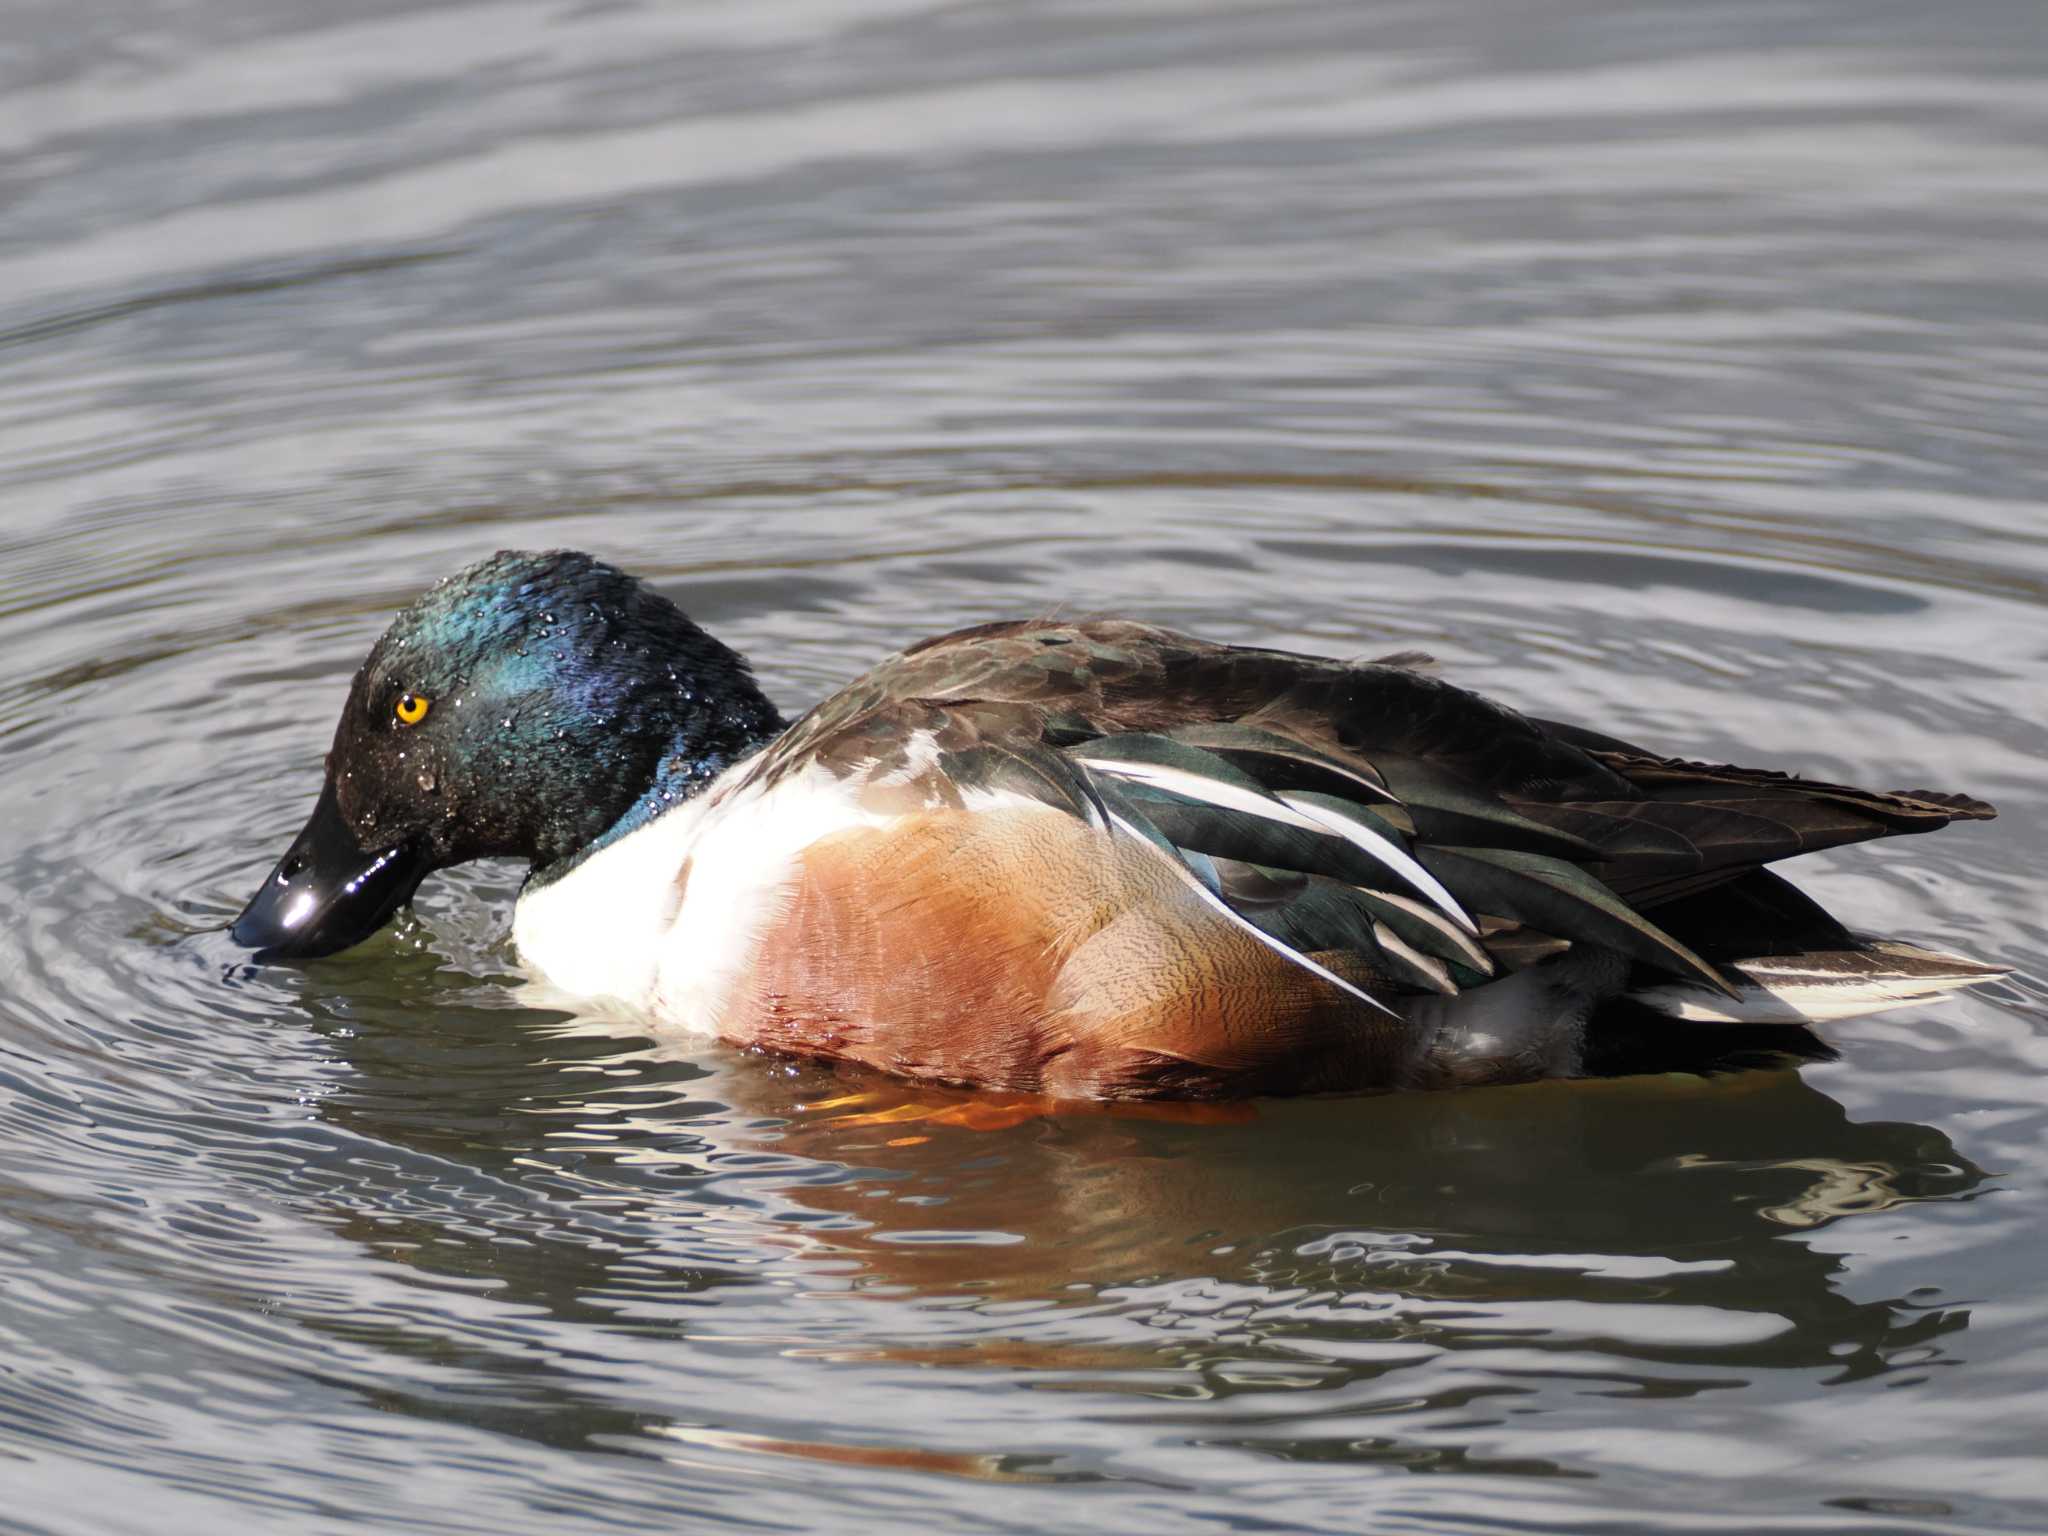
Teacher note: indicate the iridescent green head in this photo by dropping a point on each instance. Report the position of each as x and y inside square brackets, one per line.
[530, 706]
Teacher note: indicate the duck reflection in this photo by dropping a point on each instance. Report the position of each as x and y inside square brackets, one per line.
[1561, 1211]
[1656, 1218]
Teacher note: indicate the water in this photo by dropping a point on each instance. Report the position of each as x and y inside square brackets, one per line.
[1678, 369]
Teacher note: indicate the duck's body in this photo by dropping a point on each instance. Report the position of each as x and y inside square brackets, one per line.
[1098, 859]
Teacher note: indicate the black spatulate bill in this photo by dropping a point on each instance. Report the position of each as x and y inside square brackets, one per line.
[327, 893]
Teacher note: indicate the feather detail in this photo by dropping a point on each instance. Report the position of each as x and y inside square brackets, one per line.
[1282, 762]
[1214, 899]
[1028, 770]
[1334, 816]
[1434, 971]
[1406, 661]
[1122, 810]
[1515, 948]
[1316, 914]
[1274, 835]
[1428, 930]
[1195, 774]
[1821, 985]
[1563, 899]
[1250, 801]
[1447, 811]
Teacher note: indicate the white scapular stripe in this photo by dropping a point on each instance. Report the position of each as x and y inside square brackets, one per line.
[1286, 810]
[1285, 951]
[1371, 787]
[1431, 967]
[1388, 853]
[1474, 954]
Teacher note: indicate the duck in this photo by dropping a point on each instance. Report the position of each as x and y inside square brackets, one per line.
[1090, 859]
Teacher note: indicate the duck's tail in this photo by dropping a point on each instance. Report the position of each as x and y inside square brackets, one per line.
[1657, 1023]
[1820, 985]
[1788, 962]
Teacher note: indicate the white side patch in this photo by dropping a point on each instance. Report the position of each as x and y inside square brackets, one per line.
[740, 882]
[667, 920]
[597, 931]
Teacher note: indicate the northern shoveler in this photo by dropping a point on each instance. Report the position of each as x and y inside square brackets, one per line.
[1091, 859]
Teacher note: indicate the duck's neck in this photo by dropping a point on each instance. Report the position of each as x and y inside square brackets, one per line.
[703, 745]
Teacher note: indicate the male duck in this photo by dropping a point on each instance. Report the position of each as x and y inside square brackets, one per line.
[1095, 859]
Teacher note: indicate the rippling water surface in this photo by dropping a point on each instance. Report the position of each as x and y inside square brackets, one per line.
[1675, 368]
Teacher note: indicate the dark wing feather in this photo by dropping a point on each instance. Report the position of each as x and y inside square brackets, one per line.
[1689, 827]
[1320, 915]
[1446, 811]
[1028, 770]
[1230, 834]
[1280, 762]
[1756, 913]
[1562, 899]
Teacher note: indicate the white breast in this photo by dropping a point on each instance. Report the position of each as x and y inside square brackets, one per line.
[668, 919]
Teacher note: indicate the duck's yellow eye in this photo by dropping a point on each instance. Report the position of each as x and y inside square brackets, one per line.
[412, 708]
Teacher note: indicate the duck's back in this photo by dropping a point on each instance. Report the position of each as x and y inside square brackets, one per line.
[1103, 859]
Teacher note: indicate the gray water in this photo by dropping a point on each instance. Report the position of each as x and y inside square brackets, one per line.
[1677, 368]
